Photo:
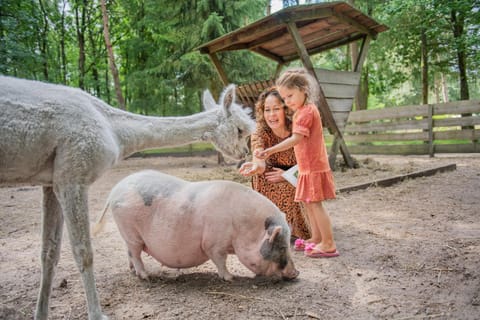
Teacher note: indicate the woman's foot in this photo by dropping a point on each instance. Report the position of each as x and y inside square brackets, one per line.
[299, 244]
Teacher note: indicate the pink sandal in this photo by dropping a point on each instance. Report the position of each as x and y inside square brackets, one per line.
[312, 252]
[299, 245]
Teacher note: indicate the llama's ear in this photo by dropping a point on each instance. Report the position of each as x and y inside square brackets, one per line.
[228, 98]
[208, 101]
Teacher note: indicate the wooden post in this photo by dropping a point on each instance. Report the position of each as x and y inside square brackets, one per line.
[223, 77]
[431, 147]
[357, 68]
[219, 68]
[322, 101]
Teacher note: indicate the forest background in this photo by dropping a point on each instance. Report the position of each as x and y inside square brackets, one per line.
[430, 54]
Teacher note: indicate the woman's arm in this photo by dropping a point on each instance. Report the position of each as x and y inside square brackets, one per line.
[256, 166]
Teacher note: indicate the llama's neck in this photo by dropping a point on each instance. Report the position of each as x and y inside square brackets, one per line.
[137, 133]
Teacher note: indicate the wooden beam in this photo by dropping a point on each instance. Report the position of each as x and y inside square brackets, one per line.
[343, 18]
[277, 70]
[328, 46]
[362, 54]
[387, 182]
[218, 66]
[268, 54]
[322, 103]
[292, 15]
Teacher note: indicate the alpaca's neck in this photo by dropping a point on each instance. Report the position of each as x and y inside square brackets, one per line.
[137, 133]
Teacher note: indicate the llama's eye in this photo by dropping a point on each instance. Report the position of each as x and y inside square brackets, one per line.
[240, 132]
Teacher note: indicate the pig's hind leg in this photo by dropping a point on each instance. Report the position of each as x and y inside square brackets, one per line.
[135, 260]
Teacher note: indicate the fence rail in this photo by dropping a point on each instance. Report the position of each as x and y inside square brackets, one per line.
[452, 127]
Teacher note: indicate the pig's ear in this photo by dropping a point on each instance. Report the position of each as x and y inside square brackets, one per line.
[275, 232]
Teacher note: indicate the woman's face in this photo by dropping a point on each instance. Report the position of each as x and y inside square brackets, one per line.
[294, 98]
[274, 113]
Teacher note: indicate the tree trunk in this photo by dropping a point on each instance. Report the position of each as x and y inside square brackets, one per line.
[80, 22]
[63, 55]
[94, 52]
[458, 22]
[424, 54]
[361, 97]
[444, 88]
[44, 41]
[111, 57]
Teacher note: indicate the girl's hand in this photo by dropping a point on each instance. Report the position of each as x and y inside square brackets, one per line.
[261, 154]
[248, 169]
[275, 176]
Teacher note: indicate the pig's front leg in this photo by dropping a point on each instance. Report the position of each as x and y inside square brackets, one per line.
[220, 260]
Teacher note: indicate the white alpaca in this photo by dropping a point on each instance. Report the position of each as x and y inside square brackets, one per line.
[64, 139]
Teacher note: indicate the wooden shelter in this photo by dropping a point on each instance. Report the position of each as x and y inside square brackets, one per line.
[299, 32]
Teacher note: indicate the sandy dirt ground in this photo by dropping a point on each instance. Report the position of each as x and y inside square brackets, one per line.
[408, 251]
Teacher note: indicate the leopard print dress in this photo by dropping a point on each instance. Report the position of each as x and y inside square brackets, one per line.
[281, 193]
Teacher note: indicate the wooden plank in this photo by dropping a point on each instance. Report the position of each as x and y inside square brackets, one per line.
[336, 76]
[413, 149]
[389, 113]
[457, 107]
[457, 148]
[468, 134]
[464, 134]
[340, 105]
[335, 90]
[460, 121]
[404, 136]
[388, 126]
[387, 182]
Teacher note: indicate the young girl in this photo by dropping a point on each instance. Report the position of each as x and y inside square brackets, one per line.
[315, 183]
[273, 126]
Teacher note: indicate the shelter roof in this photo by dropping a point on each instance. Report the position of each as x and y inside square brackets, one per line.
[322, 26]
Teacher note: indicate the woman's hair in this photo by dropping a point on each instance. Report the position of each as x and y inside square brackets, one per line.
[260, 108]
[301, 79]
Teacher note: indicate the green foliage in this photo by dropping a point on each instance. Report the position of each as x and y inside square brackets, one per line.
[162, 73]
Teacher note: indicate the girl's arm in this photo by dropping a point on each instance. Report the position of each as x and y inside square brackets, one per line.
[284, 145]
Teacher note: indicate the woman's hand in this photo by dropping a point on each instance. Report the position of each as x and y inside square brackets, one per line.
[248, 169]
[275, 175]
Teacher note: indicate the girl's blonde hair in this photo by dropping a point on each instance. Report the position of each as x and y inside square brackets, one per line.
[300, 79]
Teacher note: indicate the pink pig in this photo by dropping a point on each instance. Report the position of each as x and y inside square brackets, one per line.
[183, 224]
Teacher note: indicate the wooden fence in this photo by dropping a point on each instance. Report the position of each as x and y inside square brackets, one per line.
[452, 127]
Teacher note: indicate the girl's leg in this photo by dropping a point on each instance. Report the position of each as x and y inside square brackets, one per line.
[315, 228]
[324, 225]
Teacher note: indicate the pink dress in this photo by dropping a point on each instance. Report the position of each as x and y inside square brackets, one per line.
[315, 178]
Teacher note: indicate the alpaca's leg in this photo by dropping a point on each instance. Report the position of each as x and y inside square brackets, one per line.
[74, 200]
[52, 228]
